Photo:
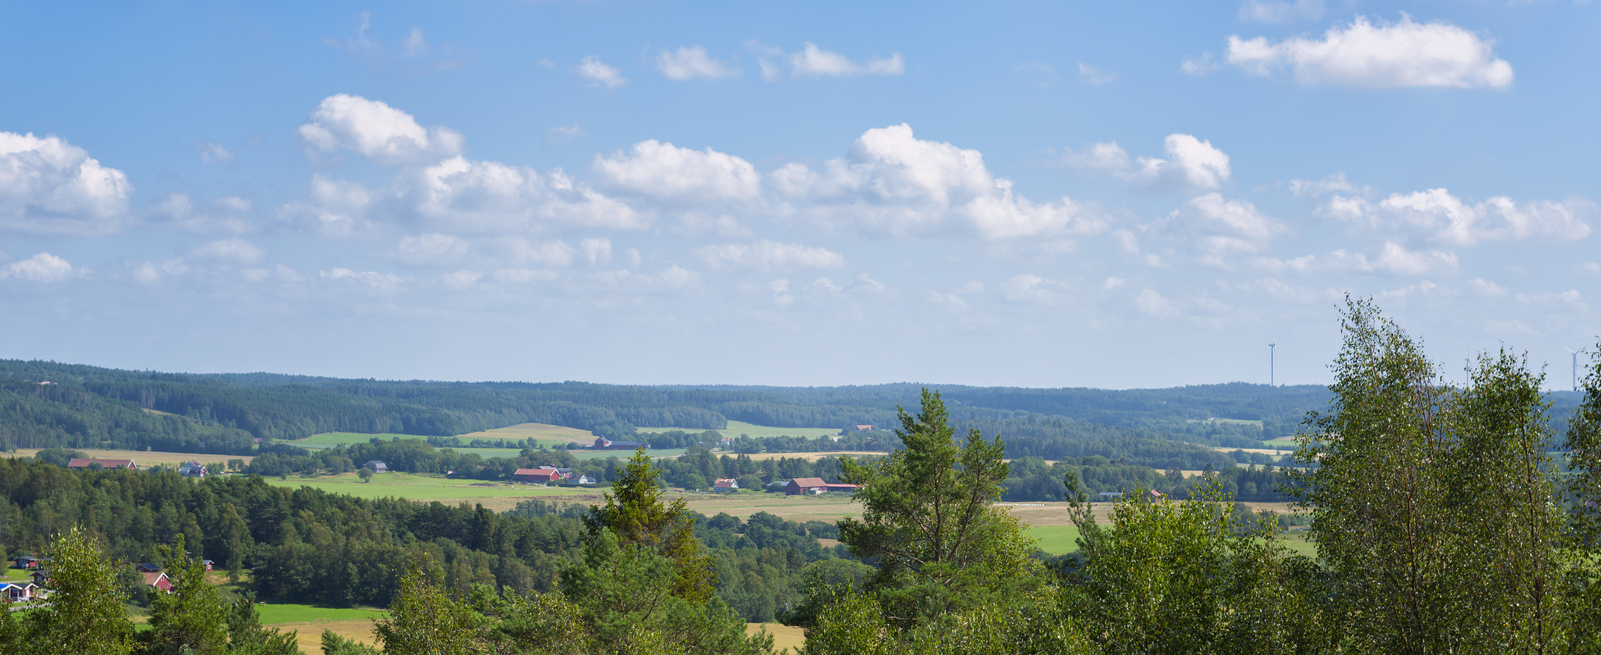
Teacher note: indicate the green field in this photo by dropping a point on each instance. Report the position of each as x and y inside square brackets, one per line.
[1055, 539]
[736, 428]
[414, 486]
[273, 613]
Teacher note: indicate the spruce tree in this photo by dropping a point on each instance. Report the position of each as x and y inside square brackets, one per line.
[929, 523]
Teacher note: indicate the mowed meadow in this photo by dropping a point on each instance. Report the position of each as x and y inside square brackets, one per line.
[545, 435]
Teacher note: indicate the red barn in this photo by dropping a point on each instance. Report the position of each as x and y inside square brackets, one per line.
[537, 476]
[800, 486]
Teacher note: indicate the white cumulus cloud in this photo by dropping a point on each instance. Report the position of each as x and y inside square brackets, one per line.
[770, 255]
[692, 62]
[1219, 227]
[591, 68]
[817, 62]
[330, 207]
[49, 186]
[1439, 215]
[893, 183]
[1386, 55]
[665, 171]
[491, 197]
[381, 133]
[1191, 164]
[43, 267]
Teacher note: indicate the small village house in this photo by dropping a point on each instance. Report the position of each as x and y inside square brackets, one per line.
[192, 469]
[376, 466]
[17, 592]
[726, 484]
[158, 580]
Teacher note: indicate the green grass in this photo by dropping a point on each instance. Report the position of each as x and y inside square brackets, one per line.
[414, 486]
[274, 613]
[1055, 539]
[736, 428]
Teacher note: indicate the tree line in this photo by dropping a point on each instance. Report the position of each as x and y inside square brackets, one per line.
[46, 404]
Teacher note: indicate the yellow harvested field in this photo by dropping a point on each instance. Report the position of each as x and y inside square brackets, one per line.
[1264, 451]
[784, 636]
[810, 457]
[143, 457]
[309, 634]
[827, 507]
[540, 431]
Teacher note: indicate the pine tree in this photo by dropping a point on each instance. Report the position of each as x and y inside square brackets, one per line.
[928, 520]
[635, 512]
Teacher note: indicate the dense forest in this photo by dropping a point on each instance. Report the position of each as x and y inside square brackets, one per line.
[46, 404]
[309, 546]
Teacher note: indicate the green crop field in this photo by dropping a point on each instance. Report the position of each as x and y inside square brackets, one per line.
[736, 428]
[413, 486]
[276, 613]
[1055, 539]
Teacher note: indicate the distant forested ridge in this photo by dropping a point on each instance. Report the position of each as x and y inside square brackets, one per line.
[47, 404]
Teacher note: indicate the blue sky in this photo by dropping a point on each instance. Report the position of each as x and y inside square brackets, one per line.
[1034, 194]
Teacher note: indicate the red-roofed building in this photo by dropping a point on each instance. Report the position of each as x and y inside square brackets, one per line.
[158, 580]
[83, 463]
[800, 486]
[726, 484]
[537, 476]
